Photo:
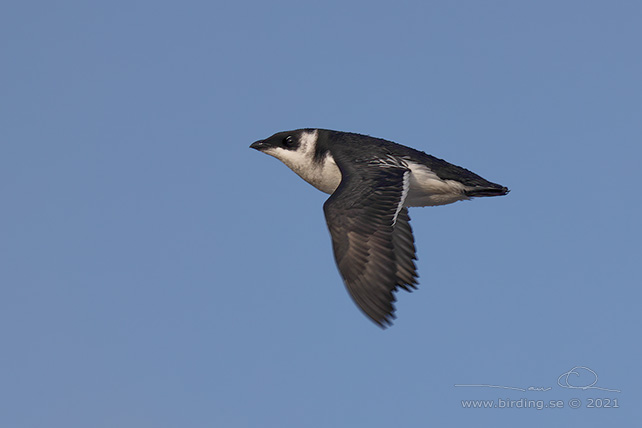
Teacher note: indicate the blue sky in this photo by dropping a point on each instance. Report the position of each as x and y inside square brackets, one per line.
[156, 272]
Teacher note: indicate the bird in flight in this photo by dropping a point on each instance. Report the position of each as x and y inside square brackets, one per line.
[372, 182]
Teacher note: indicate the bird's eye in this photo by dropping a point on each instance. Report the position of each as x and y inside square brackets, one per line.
[288, 141]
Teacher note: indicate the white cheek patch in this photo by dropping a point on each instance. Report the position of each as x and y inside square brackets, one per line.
[308, 142]
[325, 176]
[300, 158]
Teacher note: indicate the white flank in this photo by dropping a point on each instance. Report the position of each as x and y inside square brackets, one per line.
[427, 189]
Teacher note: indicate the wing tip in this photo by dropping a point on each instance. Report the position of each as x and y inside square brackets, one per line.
[385, 321]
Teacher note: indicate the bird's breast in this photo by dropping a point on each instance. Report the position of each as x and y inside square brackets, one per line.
[324, 175]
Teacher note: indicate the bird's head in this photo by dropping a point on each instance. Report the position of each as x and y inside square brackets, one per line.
[293, 148]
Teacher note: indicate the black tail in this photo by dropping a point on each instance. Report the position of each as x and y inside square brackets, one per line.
[487, 191]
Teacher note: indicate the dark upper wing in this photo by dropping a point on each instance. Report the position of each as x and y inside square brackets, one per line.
[371, 237]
